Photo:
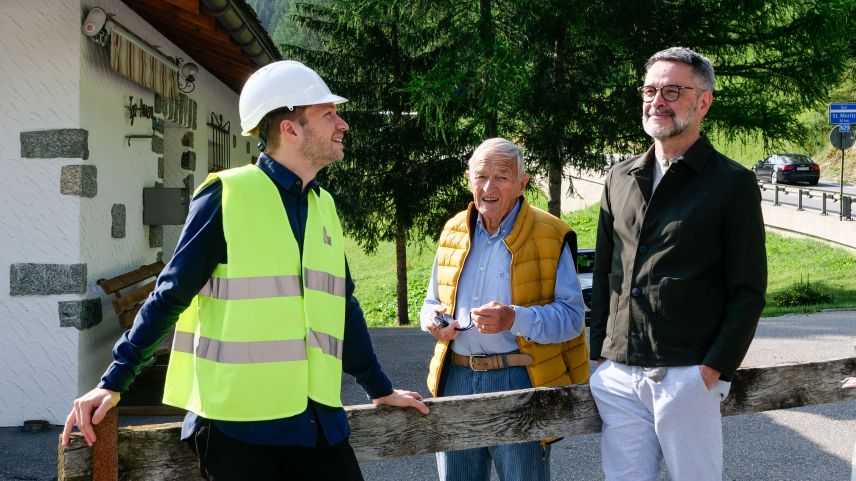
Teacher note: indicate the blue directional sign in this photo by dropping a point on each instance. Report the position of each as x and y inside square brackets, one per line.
[844, 128]
[843, 113]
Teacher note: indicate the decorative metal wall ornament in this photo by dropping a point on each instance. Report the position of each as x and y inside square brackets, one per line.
[140, 110]
[218, 144]
[186, 75]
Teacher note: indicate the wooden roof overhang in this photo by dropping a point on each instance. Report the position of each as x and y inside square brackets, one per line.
[222, 36]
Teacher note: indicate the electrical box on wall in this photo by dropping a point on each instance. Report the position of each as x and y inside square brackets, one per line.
[164, 206]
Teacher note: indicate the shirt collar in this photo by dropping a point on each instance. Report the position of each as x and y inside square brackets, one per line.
[284, 177]
[505, 225]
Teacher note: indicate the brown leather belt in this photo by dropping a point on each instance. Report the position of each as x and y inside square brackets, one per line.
[488, 362]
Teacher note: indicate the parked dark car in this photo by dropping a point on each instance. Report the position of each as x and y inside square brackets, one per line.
[585, 264]
[787, 169]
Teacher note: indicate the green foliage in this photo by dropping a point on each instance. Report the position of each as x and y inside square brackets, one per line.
[429, 80]
[584, 223]
[374, 277]
[801, 293]
[270, 11]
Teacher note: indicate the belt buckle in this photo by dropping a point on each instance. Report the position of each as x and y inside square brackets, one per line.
[655, 374]
[477, 356]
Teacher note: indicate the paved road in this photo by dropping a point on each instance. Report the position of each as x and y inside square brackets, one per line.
[814, 443]
[789, 195]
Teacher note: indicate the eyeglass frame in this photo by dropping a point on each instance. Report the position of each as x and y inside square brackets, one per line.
[680, 88]
[443, 320]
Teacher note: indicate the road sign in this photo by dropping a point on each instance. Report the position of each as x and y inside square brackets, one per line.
[844, 127]
[842, 113]
[841, 140]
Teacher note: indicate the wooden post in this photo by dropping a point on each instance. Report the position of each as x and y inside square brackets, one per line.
[105, 451]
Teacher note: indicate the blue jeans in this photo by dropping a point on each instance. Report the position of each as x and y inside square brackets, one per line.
[513, 462]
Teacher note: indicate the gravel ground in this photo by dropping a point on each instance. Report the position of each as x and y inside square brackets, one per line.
[811, 443]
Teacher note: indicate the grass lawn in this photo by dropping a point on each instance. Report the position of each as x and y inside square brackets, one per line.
[788, 259]
[827, 268]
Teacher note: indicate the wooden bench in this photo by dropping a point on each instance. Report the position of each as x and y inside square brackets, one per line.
[126, 306]
[143, 397]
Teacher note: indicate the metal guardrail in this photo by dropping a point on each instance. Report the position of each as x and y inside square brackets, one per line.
[846, 200]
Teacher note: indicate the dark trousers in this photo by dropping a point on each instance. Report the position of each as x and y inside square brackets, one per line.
[222, 458]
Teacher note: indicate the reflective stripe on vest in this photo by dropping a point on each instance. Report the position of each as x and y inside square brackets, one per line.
[259, 351]
[266, 332]
[272, 286]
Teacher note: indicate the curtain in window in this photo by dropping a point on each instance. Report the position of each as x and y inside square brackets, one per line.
[137, 65]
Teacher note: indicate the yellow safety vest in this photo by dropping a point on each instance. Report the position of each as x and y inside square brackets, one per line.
[266, 332]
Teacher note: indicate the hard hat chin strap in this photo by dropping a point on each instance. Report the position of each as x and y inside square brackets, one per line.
[262, 145]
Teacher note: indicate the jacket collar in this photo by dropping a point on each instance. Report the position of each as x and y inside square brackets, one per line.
[696, 157]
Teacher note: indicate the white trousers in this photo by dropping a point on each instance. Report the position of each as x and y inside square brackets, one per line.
[676, 419]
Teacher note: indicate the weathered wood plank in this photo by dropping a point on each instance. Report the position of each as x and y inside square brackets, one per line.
[757, 389]
[133, 298]
[130, 278]
[153, 452]
[462, 422]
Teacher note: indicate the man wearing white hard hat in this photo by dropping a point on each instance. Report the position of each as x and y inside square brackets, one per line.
[262, 303]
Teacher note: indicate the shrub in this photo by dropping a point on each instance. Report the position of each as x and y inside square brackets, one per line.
[802, 293]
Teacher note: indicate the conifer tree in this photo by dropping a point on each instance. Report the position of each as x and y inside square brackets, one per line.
[400, 180]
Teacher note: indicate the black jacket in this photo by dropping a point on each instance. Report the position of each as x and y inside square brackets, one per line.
[680, 275]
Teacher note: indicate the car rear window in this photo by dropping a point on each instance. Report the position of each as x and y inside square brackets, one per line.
[795, 159]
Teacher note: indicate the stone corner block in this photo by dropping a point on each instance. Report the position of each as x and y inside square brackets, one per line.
[187, 140]
[117, 224]
[55, 143]
[81, 314]
[80, 180]
[188, 160]
[30, 279]
[155, 236]
[157, 144]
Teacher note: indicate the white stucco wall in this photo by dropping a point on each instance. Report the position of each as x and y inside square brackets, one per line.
[39, 61]
[51, 76]
[124, 171]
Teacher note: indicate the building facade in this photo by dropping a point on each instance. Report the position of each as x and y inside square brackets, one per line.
[78, 144]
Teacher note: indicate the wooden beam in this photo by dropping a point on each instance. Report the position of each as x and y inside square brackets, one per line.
[171, 15]
[191, 6]
[151, 452]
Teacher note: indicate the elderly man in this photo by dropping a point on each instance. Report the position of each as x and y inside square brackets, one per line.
[504, 296]
[679, 279]
[262, 300]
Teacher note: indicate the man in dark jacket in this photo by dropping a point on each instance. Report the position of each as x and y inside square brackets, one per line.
[679, 280]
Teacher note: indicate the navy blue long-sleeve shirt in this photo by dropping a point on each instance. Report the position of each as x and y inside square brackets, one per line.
[200, 248]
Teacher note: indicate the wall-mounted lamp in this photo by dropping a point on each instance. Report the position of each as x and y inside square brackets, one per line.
[186, 75]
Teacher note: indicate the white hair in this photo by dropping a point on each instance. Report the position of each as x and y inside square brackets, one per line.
[499, 147]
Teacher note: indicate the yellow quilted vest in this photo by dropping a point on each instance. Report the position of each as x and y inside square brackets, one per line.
[535, 243]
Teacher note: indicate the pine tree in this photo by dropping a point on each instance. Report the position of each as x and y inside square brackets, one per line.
[399, 180]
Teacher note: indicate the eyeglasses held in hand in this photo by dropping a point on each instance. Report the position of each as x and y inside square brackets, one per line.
[670, 93]
[443, 320]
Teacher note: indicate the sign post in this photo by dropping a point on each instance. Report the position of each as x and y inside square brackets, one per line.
[841, 140]
[841, 115]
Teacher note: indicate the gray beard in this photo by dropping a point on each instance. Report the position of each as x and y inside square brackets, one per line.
[679, 125]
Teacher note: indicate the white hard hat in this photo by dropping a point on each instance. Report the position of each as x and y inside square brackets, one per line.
[286, 83]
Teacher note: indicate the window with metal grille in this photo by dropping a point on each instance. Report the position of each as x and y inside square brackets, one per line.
[219, 144]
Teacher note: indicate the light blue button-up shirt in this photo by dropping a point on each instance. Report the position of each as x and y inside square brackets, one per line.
[486, 277]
